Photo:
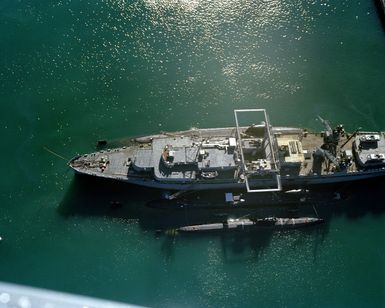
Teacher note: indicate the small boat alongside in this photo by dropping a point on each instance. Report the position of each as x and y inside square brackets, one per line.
[288, 222]
[230, 224]
[246, 224]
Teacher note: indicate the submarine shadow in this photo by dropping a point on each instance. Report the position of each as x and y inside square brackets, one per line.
[260, 239]
[313, 236]
[235, 246]
[242, 247]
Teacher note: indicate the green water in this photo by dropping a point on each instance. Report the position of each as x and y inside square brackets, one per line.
[73, 72]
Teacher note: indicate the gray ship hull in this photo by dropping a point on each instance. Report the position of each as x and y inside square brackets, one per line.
[287, 182]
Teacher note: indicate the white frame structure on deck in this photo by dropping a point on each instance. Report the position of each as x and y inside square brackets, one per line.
[275, 170]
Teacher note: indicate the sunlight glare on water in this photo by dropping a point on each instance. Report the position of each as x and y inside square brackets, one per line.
[237, 48]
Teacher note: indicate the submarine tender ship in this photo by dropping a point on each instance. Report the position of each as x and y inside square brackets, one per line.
[260, 158]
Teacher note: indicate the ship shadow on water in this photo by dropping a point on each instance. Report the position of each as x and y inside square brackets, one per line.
[380, 10]
[90, 197]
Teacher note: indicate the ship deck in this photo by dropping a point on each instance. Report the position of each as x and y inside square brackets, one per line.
[143, 160]
[310, 143]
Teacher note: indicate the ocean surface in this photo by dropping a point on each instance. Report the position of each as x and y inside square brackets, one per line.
[76, 71]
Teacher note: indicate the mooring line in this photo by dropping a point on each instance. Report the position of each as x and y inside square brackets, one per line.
[53, 153]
